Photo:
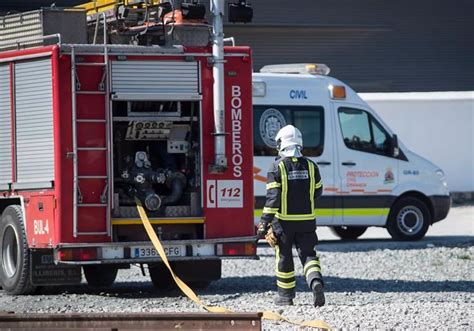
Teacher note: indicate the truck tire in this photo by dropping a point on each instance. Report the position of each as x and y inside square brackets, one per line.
[100, 275]
[409, 219]
[199, 285]
[15, 254]
[196, 274]
[348, 232]
[161, 277]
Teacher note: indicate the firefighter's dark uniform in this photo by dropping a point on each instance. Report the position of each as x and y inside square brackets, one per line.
[293, 186]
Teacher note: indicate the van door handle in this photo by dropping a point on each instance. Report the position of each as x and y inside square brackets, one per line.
[324, 163]
[348, 163]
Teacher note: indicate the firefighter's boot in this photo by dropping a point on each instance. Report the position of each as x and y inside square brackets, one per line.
[282, 301]
[318, 293]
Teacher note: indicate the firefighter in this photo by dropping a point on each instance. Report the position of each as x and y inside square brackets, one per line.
[288, 218]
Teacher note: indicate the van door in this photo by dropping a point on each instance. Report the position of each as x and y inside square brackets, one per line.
[367, 171]
[318, 146]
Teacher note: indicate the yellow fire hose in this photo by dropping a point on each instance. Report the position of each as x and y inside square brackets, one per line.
[268, 315]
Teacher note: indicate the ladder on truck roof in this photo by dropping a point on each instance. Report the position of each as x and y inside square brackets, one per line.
[90, 178]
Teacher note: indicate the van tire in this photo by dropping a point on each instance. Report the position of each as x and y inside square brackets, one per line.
[409, 219]
[100, 275]
[348, 232]
[15, 278]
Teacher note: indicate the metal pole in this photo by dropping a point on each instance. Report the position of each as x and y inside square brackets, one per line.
[217, 11]
[74, 142]
[109, 144]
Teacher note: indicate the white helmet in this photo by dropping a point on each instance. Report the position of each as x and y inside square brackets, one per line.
[288, 136]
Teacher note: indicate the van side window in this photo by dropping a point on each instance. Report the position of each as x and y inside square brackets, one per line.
[362, 132]
[269, 119]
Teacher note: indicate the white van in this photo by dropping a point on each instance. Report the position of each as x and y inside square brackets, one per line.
[369, 177]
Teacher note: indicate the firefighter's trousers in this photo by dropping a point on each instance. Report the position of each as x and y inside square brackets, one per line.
[305, 243]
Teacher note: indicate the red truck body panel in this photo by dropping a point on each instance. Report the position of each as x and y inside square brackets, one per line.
[227, 198]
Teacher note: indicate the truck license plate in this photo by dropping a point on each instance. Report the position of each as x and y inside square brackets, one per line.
[146, 251]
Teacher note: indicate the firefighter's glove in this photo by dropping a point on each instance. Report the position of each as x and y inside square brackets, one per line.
[271, 238]
[262, 229]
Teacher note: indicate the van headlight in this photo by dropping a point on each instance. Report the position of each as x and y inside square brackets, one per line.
[442, 177]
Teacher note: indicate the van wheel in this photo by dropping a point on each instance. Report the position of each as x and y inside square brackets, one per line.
[15, 254]
[348, 232]
[100, 275]
[409, 219]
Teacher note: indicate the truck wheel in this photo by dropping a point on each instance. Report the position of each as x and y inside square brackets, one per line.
[100, 275]
[348, 232]
[199, 285]
[409, 219]
[160, 276]
[15, 254]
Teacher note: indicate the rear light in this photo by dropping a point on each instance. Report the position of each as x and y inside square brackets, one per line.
[77, 254]
[237, 249]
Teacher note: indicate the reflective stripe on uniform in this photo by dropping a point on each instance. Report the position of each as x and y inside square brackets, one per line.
[295, 217]
[273, 185]
[340, 212]
[287, 278]
[310, 264]
[319, 184]
[281, 274]
[284, 188]
[286, 285]
[311, 184]
[268, 210]
[312, 269]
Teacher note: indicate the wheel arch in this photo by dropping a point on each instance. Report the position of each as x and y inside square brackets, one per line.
[8, 201]
[418, 195]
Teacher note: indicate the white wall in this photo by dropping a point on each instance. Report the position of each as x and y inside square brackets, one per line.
[436, 125]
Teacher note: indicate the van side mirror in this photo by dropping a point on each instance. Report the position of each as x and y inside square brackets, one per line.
[394, 149]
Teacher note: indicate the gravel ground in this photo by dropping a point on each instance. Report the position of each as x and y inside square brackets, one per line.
[371, 283]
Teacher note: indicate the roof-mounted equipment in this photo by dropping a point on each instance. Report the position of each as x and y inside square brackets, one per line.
[240, 12]
[297, 68]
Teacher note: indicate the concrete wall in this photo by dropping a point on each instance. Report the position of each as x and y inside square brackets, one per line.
[439, 126]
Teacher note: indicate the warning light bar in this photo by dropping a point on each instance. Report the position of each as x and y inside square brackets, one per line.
[297, 68]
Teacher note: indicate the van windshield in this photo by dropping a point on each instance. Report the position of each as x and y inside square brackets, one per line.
[268, 120]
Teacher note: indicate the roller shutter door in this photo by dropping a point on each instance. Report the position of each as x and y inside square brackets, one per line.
[155, 79]
[34, 122]
[5, 128]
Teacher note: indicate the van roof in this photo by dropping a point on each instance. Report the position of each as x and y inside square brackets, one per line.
[316, 87]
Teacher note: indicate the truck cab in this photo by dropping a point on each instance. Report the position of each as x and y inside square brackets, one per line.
[370, 178]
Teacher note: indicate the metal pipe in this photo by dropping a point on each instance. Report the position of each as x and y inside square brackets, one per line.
[230, 40]
[217, 10]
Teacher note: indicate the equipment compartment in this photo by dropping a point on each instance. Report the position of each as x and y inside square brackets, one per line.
[156, 157]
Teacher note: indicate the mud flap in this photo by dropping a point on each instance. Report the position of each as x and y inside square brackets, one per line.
[45, 272]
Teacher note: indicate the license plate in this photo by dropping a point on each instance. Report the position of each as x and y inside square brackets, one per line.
[146, 251]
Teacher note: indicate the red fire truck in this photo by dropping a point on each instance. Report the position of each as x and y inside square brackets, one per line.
[138, 100]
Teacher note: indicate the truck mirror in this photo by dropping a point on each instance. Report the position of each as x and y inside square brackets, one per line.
[395, 150]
